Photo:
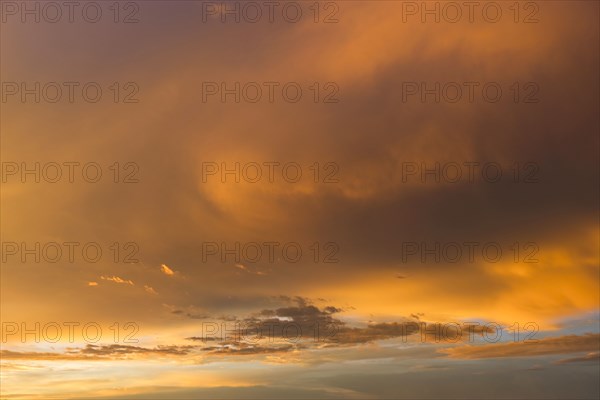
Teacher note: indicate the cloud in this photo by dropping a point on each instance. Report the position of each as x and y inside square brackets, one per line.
[150, 289]
[20, 367]
[98, 352]
[245, 349]
[248, 270]
[547, 346]
[590, 357]
[307, 325]
[166, 270]
[369, 212]
[116, 350]
[32, 355]
[116, 279]
[202, 339]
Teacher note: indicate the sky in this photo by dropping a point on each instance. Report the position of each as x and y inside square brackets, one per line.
[299, 200]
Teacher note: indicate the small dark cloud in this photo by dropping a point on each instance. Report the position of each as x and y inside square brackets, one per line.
[202, 339]
[247, 349]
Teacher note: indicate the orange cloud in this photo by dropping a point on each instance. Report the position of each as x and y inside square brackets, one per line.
[166, 270]
[116, 279]
[547, 346]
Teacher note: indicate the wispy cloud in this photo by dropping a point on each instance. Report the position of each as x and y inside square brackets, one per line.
[546, 346]
[590, 357]
[116, 279]
[150, 289]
